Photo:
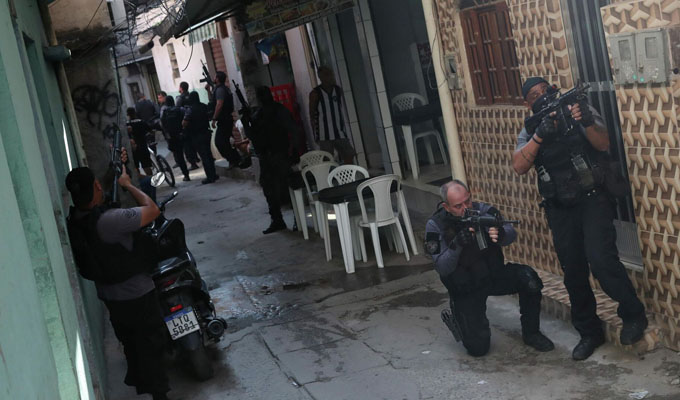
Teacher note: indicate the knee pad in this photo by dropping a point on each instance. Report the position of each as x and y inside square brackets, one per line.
[530, 279]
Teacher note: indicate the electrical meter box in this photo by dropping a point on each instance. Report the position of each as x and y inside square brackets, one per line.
[624, 58]
[652, 56]
[452, 75]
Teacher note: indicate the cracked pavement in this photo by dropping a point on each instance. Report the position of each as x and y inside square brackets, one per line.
[301, 328]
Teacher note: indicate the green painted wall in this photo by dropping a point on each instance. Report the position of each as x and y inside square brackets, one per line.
[44, 334]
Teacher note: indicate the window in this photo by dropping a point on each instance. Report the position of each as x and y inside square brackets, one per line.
[492, 58]
[173, 61]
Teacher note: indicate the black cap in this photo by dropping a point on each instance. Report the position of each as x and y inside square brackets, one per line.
[531, 82]
[80, 182]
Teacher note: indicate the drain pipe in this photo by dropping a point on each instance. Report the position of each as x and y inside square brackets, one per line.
[69, 108]
[448, 113]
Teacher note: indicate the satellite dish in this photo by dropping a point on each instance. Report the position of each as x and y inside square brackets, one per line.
[157, 179]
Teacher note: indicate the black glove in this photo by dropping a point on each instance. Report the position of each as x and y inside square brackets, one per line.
[462, 239]
[547, 128]
[587, 117]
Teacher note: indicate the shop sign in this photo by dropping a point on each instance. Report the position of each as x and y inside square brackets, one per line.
[267, 17]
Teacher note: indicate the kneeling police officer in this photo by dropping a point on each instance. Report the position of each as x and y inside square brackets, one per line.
[471, 274]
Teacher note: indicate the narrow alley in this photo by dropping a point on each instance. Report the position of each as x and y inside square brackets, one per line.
[301, 328]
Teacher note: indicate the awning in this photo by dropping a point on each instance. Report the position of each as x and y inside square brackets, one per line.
[197, 13]
[202, 33]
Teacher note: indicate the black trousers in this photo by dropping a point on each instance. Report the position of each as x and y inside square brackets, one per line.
[138, 325]
[202, 144]
[176, 146]
[274, 170]
[469, 308]
[585, 235]
[222, 136]
[190, 150]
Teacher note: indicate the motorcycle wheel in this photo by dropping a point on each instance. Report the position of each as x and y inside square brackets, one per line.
[200, 364]
[165, 168]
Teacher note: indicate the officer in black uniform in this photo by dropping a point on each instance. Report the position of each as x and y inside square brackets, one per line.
[269, 130]
[471, 274]
[578, 186]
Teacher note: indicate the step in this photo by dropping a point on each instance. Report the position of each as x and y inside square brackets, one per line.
[556, 302]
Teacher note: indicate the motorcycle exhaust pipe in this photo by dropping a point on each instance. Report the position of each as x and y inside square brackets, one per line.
[216, 328]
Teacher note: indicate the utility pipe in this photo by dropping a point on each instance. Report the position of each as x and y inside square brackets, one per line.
[64, 88]
[448, 113]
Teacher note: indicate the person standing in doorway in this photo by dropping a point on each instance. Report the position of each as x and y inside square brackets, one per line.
[327, 111]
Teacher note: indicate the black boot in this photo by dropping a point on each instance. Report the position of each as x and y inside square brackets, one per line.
[538, 341]
[276, 225]
[633, 331]
[586, 346]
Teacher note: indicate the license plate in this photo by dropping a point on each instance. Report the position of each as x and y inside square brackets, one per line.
[181, 323]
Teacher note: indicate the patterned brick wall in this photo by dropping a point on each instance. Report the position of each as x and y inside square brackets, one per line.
[649, 118]
[488, 134]
[650, 124]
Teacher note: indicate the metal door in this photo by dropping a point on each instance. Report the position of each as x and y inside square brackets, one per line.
[590, 63]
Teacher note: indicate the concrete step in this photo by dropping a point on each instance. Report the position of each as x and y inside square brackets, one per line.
[556, 302]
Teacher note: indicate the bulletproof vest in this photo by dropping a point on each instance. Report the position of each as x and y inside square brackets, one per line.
[475, 266]
[267, 132]
[172, 120]
[199, 123]
[106, 263]
[567, 167]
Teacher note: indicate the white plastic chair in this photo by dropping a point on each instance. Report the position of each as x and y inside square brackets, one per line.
[348, 174]
[320, 174]
[383, 215]
[315, 157]
[405, 102]
[296, 196]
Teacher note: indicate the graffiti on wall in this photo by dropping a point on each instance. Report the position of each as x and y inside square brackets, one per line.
[97, 103]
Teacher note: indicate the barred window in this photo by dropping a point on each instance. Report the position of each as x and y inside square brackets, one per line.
[491, 54]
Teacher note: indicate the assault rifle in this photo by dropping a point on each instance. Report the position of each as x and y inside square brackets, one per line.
[473, 219]
[206, 77]
[244, 112]
[116, 164]
[556, 102]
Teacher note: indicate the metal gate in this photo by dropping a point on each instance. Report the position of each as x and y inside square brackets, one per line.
[590, 63]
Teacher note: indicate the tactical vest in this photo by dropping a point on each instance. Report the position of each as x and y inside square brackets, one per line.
[475, 266]
[106, 263]
[567, 167]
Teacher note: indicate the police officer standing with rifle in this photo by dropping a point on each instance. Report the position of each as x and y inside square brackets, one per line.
[464, 239]
[566, 141]
[222, 119]
[110, 249]
[269, 127]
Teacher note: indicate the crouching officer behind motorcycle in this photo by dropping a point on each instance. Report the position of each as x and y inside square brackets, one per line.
[578, 184]
[471, 275]
[109, 250]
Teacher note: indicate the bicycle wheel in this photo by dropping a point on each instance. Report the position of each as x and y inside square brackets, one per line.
[165, 168]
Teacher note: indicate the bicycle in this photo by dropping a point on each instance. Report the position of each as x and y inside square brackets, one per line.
[158, 162]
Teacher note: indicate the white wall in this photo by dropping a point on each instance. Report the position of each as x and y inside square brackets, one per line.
[303, 78]
[193, 73]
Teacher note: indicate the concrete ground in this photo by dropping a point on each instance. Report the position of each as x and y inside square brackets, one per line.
[301, 328]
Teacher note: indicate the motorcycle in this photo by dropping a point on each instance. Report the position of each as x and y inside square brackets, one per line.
[185, 301]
